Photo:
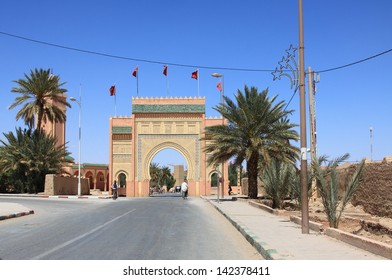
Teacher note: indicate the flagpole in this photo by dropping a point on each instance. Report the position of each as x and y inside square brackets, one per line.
[198, 83]
[137, 80]
[167, 86]
[137, 83]
[115, 101]
[167, 79]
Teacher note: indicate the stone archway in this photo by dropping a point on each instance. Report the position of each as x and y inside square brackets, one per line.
[168, 145]
[157, 124]
[89, 175]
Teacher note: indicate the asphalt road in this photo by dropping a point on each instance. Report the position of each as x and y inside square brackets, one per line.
[156, 228]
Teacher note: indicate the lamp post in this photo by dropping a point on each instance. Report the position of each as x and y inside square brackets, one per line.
[304, 161]
[79, 102]
[222, 92]
[371, 143]
[296, 75]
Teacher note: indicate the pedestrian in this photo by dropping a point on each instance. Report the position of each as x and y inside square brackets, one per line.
[230, 190]
[184, 189]
[114, 190]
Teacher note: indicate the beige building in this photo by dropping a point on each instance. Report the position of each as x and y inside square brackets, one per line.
[157, 124]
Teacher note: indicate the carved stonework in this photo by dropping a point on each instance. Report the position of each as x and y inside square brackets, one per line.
[157, 124]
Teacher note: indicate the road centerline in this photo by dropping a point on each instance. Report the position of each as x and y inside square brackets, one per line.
[80, 236]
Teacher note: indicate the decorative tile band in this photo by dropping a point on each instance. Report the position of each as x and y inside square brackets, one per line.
[168, 108]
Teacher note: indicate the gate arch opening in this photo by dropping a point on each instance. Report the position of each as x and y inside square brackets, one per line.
[168, 169]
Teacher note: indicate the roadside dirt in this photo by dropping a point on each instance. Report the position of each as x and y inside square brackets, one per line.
[354, 220]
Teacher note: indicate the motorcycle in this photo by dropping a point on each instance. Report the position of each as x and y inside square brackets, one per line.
[114, 194]
[185, 194]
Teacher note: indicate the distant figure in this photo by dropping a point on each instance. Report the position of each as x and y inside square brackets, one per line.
[230, 190]
[114, 190]
[184, 189]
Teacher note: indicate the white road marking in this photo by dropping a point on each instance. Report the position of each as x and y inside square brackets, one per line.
[80, 237]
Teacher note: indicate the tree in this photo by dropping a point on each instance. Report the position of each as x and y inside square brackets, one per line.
[257, 130]
[154, 173]
[39, 94]
[328, 186]
[28, 156]
[278, 178]
[161, 176]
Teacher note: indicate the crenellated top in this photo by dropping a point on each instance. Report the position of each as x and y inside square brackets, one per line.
[168, 105]
[168, 98]
[214, 118]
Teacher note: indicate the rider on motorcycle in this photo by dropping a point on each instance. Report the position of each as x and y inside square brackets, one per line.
[114, 190]
[184, 189]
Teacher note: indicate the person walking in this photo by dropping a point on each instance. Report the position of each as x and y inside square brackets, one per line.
[184, 189]
[114, 190]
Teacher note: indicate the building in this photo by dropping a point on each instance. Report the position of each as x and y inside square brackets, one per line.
[157, 124]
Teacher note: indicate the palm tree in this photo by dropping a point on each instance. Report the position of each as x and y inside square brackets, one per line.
[278, 178]
[328, 186]
[30, 155]
[39, 94]
[154, 173]
[166, 175]
[257, 130]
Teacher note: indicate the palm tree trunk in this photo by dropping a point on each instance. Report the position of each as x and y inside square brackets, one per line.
[252, 166]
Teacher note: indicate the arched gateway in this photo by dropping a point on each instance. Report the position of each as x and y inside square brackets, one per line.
[157, 124]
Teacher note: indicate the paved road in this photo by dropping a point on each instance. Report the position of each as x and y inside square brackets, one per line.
[154, 228]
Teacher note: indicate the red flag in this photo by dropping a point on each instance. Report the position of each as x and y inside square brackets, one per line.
[195, 74]
[134, 73]
[112, 90]
[218, 86]
[165, 70]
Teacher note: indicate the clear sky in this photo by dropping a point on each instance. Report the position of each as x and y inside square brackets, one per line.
[247, 34]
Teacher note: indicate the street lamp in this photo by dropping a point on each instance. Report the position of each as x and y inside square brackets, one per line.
[222, 92]
[302, 109]
[79, 102]
[297, 80]
[371, 143]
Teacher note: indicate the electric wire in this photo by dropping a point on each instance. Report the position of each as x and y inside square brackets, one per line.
[356, 62]
[132, 59]
[179, 64]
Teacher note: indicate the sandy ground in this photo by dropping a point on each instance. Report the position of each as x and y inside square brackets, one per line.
[372, 227]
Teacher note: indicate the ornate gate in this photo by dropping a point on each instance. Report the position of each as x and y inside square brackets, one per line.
[157, 124]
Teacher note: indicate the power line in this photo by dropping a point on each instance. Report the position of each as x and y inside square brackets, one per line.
[179, 64]
[356, 62]
[130, 58]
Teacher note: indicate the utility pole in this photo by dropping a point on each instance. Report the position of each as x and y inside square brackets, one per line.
[304, 161]
[312, 119]
[312, 113]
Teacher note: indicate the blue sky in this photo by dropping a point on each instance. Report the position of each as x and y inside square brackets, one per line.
[248, 34]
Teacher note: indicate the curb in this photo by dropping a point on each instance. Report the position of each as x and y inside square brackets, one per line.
[262, 247]
[17, 214]
[367, 244]
[57, 196]
[375, 247]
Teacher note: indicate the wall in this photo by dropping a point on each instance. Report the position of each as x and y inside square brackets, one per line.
[375, 191]
[57, 185]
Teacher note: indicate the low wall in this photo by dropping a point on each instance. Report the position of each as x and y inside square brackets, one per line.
[375, 190]
[57, 185]
[261, 192]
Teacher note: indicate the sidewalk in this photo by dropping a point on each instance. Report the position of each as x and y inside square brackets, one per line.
[277, 238]
[13, 210]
